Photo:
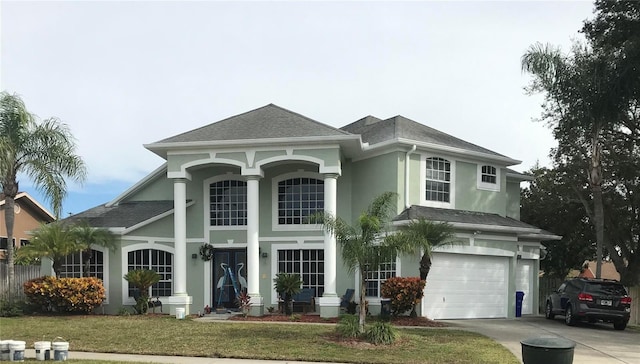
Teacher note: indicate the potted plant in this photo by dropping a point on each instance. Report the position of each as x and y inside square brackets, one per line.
[287, 285]
[244, 303]
[142, 280]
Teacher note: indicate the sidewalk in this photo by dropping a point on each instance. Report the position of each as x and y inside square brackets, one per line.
[79, 355]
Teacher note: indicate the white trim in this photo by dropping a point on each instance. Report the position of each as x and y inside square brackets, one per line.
[423, 181]
[474, 250]
[105, 269]
[274, 202]
[486, 185]
[33, 201]
[124, 262]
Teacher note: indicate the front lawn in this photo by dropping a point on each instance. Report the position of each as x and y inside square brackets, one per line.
[168, 336]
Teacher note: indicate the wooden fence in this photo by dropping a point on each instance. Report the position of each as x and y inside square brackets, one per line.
[547, 286]
[23, 273]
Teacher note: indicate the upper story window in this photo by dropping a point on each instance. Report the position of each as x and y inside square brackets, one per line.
[488, 177]
[298, 198]
[228, 203]
[438, 180]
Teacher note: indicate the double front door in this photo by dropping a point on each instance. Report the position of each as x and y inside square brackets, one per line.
[229, 274]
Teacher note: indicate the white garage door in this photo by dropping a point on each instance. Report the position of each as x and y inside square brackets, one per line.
[466, 286]
[524, 283]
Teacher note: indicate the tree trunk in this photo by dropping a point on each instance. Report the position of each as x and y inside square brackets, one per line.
[9, 218]
[363, 301]
[595, 179]
[425, 266]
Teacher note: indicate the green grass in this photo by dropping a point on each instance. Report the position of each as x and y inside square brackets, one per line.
[168, 336]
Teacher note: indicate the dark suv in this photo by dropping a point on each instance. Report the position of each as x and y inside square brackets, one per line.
[591, 300]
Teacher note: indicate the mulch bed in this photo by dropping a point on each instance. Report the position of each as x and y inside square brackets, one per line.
[397, 321]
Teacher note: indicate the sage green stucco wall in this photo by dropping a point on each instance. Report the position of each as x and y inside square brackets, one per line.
[372, 177]
[470, 197]
[160, 188]
[513, 199]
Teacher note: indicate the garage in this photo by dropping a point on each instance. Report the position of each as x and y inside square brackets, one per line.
[466, 286]
[524, 283]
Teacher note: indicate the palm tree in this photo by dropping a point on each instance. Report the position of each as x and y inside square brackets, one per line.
[43, 152]
[54, 241]
[86, 236]
[584, 102]
[365, 246]
[422, 236]
[142, 279]
[287, 285]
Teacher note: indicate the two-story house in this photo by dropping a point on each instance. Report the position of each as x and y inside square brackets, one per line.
[244, 186]
[28, 216]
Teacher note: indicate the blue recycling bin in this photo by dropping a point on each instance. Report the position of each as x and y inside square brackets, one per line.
[519, 299]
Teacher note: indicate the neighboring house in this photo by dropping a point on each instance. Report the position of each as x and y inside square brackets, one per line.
[245, 184]
[29, 214]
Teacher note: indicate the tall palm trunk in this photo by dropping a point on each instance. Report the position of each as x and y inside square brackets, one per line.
[10, 191]
[363, 302]
[595, 180]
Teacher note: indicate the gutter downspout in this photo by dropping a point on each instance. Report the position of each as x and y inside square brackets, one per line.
[406, 177]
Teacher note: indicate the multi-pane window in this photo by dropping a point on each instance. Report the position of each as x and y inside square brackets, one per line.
[375, 279]
[309, 263]
[228, 203]
[299, 198]
[4, 243]
[73, 265]
[24, 242]
[489, 174]
[159, 261]
[438, 180]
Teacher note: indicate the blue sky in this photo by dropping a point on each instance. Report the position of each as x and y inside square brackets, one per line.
[124, 74]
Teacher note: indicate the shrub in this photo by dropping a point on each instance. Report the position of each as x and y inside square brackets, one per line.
[11, 309]
[74, 295]
[381, 333]
[348, 326]
[405, 293]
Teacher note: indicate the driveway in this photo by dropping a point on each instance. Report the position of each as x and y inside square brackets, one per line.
[595, 343]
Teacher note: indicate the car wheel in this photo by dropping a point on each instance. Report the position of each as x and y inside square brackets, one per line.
[620, 325]
[568, 316]
[548, 311]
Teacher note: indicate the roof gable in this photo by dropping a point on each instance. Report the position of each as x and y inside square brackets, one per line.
[374, 130]
[267, 122]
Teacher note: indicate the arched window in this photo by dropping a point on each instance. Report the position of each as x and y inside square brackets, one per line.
[228, 203]
[438, 180]
[299, 198]
[159, 261]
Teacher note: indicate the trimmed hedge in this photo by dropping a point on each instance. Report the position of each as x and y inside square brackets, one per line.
[73, 295]
[405, 293]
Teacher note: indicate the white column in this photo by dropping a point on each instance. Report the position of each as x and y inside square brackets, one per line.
[180, 236]
[253, 244]
[330, 250]
[330, 302]
[180, 298]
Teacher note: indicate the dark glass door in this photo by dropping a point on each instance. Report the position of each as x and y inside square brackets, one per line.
[224, 293]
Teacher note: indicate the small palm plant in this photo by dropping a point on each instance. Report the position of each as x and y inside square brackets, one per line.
[142, 279]
[287, 285]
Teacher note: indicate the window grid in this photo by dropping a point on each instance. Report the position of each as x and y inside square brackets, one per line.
[375, 279]
[155, 260]
[228, 203]
[299, 198]
[489, 174]
[72, 265]
[438, 180]
[309, 263]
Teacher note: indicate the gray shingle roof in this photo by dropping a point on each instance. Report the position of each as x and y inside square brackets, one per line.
[269, 121]
[123, 215]
[374, 130]
[460, 216]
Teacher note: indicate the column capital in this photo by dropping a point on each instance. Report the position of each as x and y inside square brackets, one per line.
[252, 177]
[331, 175]
[179, 175]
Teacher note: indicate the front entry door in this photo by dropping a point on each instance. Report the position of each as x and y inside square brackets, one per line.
[223, 292]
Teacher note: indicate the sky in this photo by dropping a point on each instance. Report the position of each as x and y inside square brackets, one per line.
[123, 74]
